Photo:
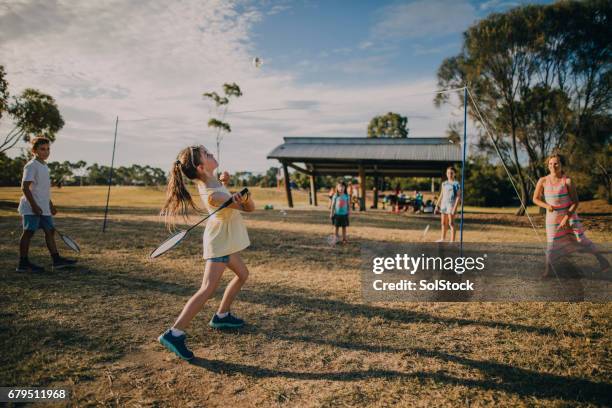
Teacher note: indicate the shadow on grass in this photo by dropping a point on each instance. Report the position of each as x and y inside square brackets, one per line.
[9, 205]
[41, 343]
[279, 296]
[514, 380]
[368, 219]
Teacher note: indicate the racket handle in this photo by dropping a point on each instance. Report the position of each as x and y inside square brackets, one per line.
[228, 202]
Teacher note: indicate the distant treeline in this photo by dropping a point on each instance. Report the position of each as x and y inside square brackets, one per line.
[486, 184]
[80, 174]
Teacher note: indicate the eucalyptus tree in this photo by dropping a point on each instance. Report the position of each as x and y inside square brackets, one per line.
[221, 102]
[32, 112]
[541, 77]
[390, 125]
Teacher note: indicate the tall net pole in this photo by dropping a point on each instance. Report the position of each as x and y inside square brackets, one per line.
[110, 176]
[465, 102]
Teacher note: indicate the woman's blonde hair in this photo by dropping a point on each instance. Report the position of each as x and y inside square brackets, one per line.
[558, 156]
[178, 199]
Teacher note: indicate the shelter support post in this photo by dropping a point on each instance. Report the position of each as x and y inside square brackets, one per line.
[362, 188]
[376, 186]
[433, 185]
[287, 185]
[313, 190]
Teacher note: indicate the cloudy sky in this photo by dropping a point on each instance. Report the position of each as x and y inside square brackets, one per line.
[330, 65]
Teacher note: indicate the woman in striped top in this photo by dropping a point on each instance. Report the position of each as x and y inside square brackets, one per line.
[564, 231]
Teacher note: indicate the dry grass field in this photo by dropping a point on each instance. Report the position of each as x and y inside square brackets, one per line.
[310, 339]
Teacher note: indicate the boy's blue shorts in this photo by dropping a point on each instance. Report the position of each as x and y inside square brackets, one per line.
[34, 222]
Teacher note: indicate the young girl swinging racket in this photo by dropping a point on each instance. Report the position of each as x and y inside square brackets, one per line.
[224, 237]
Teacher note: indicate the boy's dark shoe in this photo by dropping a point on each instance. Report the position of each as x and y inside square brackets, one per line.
[176, 344]
[60, 262]
[228, 322]
[27, 266]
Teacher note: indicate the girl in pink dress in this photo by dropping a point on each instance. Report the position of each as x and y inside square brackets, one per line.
[564, 231]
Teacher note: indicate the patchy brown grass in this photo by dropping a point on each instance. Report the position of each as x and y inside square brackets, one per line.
[310, 338]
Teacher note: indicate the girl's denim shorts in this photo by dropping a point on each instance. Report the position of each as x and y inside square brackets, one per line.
[222, 259]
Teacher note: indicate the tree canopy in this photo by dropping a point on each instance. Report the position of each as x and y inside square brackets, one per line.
[33, 113]
[389, 125]
[542, 78]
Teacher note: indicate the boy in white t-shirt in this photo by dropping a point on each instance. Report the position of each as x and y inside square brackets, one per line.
[37, 209]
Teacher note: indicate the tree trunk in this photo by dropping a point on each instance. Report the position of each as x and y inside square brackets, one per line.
[523, 191]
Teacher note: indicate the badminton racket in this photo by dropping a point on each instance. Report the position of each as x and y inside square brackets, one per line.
[179, 236]
[70, 243]
[332, 240]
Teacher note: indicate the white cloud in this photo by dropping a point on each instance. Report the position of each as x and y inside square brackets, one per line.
[277, 9]
[370, 65]
[497, 4]
[423, 18]
[149, 63]
[420, 49]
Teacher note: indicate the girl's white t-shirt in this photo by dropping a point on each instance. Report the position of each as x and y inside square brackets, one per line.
[38, 174]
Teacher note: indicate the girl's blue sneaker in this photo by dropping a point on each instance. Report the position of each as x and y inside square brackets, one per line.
[227, 322]
[176, 344]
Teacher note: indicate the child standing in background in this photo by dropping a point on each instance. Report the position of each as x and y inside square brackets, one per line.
[450, 197]
[340, 209]
[37, 209]
[224, 178]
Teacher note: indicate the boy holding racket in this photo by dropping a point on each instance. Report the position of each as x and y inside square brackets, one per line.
[37, 209]
[224, 237]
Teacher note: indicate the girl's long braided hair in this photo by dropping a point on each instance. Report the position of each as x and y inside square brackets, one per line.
[178, 199]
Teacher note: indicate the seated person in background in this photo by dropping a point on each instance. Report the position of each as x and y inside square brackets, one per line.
[418, 202]
[402, 201]
[429, 207]
[392, 201]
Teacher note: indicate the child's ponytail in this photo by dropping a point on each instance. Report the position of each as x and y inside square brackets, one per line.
[178, 199]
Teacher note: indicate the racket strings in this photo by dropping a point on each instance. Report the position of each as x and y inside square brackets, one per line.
[169, 243]
[71, 243]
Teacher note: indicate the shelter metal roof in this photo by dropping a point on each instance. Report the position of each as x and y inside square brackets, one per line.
[361, 149]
